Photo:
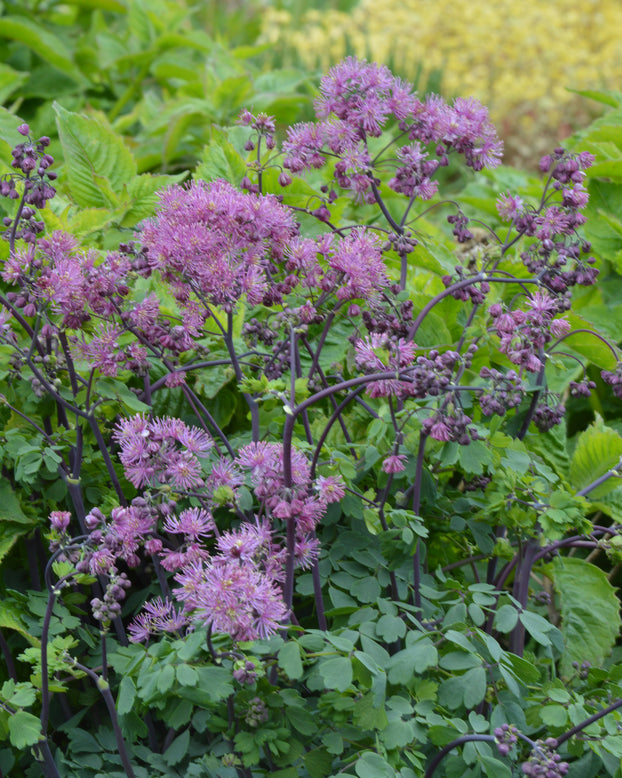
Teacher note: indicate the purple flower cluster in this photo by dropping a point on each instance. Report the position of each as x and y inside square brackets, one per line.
[450, 425]
[228, 580]
[614, 379]
[217, 242]
[544, 761]
[557, 254]
[357, 101]
[162, 451]
[503, 391]
[32, 161]
[505, 737]
[378, 353]
[524, 334]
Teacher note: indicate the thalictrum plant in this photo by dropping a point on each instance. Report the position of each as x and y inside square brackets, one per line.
[315, 495]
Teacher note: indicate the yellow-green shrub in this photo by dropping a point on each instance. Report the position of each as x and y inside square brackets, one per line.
[518, 58]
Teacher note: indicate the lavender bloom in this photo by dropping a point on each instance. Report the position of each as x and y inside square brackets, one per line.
[357, 259]
[357, 101]
[217, 242]
[162, 451]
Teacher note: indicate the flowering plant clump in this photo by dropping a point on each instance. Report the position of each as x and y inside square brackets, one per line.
[302, 443]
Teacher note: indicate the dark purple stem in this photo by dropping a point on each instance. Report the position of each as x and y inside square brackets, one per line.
[450, 747]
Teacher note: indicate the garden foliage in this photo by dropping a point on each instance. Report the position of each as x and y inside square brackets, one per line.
[310, 461]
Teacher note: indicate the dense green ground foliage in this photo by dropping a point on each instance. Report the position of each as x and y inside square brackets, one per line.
[299, 477]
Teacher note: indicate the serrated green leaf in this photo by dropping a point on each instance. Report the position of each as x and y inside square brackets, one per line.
[336, 673]
[97, 161]
[372, 765]
[598, 449]
[553, 715]
[141, 196]
[220, 159]
[186, 675]
[590, 611]
[42, 42]
[24, 729]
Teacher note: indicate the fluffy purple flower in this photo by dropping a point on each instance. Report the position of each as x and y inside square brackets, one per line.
[194, 523]
[509, 207]
[395, 463]
[364, 95]
[161, 451]
[217, 240]
[357, 259]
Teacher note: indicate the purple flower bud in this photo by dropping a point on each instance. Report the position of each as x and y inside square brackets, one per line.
[60, 520]
[23, 129]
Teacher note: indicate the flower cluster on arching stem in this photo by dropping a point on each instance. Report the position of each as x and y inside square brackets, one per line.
[228, 580]
[222, 523]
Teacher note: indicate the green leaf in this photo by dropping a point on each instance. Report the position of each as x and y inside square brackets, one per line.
[318, 763]
[459, 660]
[97, 161]
[367, 715]
[42, 42]
[104, 5]
[589, 346]
[366, 589]
[289, 660]
[372, 765]
[178, 748]
[336, 673]
[10, 508]
[115, 389]
[165, 678]
[301, 720]
[10, 81]
[186, 675]
[590, 611]
[126, 696]
[598, 449]
[390, 628]
[24, 729]
[220, 159]
[11, 618]
[494, 768]
[398, 734]
[506, 618]
[553, 715]
[536, 626]
[19, 695]
[414, 659]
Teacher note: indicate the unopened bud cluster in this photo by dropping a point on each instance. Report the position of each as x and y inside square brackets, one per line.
[32, 162]
[544, 761]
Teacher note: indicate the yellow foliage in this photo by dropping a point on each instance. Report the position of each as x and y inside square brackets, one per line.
[517, 58]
